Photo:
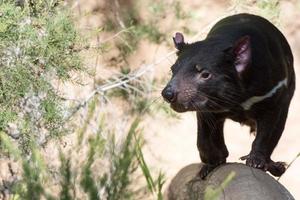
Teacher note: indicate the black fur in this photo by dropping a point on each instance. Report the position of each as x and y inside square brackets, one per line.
[242, 56]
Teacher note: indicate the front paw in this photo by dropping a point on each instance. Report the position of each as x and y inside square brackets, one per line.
[256, 160]
[207, 168]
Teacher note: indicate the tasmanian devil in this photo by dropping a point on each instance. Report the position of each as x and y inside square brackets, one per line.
[243, 71]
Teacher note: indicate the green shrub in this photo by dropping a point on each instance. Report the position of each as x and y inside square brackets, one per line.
[38, 45]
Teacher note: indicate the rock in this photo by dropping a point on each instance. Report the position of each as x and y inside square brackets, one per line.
[247, 184]
[13, 130]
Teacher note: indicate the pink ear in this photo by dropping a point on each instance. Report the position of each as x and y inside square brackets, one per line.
[178, 41]
[242, 52]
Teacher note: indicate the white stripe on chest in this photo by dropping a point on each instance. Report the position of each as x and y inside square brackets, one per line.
[255, 99]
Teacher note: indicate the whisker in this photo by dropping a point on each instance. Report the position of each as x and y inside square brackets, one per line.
[226, 99]
[206, 119]
[231, 92]
[210, 98]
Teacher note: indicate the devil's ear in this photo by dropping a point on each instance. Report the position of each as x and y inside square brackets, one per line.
[179, 41]
[241, 51]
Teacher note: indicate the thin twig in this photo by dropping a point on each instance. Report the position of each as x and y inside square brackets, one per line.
[116, 35]
[77, 4]
[121, 23]
[96, 63]
[289, 165]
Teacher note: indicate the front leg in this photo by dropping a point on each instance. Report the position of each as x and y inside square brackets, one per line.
[210, 141]
[269, 130]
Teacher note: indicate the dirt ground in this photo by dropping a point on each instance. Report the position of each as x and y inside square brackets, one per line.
[171, 143]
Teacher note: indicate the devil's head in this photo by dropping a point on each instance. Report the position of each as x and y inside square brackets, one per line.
[207, 74]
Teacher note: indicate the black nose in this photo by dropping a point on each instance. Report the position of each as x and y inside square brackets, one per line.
[169, 95]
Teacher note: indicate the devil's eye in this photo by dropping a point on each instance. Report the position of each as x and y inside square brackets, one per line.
[205, 75]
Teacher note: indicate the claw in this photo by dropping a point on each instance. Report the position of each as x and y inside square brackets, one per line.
[245, 157]
[255, 161]
[206, 169]
[260, 162]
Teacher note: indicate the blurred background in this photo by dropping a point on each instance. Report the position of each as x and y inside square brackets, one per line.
[81, 116]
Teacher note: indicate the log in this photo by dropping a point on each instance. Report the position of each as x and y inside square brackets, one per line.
[247, 184]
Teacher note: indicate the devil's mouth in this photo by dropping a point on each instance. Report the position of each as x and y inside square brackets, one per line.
[189, 106]
[180, 107]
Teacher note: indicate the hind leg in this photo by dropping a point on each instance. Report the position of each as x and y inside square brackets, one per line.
[269, 130]
[275, 168]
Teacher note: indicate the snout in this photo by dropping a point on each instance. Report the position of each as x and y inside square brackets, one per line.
[169, 94]
[185, 99]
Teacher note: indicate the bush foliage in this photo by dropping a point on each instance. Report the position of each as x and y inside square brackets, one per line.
[39, 44]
